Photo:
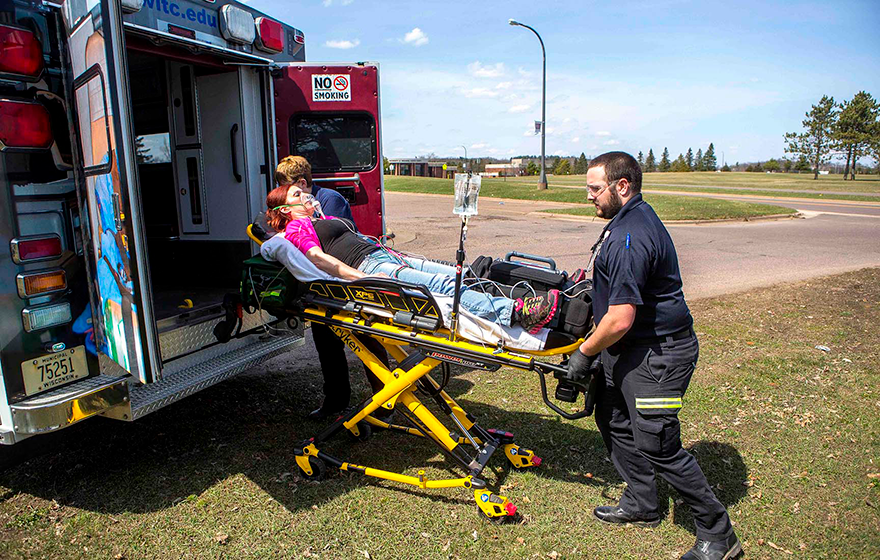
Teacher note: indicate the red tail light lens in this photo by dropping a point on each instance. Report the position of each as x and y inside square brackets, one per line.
[270, 35]
[36, 248]
[20, 52]
[24, 125]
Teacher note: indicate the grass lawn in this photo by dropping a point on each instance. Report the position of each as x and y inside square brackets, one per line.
[787, 434]
[668, 207]
[758, 184]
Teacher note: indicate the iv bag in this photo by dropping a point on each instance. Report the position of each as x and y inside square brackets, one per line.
[467, 188]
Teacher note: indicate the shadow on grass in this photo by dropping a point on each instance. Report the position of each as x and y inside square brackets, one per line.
[250, 426]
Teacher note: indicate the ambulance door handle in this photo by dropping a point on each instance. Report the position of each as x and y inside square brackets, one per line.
[232, 134]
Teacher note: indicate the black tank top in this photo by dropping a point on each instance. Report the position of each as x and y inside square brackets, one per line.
[337, 240]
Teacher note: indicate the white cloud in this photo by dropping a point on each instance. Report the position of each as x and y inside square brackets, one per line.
[503, 85]
[525, 73]
[612, 142]
[576, 139]
[328, 3]
[480, 92]
[345, 44]
[603, 133]
[416, 37]
[480, 145]
[519, 108]
[478, 70]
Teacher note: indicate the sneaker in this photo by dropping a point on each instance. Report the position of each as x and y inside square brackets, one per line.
[535, 312]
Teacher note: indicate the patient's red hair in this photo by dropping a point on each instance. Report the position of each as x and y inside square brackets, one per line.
[277, 219]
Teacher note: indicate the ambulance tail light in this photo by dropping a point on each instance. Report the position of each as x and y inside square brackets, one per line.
[20, 52]
[270, 35]
[32, 284]
[34, 249]
[36, 318]
[237, 25]
[24, 125]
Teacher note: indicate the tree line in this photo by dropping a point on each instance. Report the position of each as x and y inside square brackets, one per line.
[848, 130]
[684, 162]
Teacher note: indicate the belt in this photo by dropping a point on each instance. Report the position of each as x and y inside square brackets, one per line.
[668, 338]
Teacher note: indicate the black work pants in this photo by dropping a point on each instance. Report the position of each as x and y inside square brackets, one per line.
[334, 366]
[637, 415]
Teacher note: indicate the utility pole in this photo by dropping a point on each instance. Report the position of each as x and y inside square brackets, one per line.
[542, 182]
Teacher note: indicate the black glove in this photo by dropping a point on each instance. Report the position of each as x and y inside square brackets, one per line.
[579, 366]
[576, 379]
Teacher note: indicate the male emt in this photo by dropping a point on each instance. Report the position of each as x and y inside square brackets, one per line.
[644, 332]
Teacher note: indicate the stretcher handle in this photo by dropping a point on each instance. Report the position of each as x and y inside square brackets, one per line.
[588, 410]
[528, 257]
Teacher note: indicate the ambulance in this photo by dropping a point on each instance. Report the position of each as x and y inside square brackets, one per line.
[138, 140]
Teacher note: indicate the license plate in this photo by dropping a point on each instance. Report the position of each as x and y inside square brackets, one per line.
[54, 370]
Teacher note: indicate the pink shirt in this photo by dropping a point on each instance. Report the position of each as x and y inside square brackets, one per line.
[302, 234]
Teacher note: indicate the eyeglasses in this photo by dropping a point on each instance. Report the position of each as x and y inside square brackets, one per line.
[596, 191]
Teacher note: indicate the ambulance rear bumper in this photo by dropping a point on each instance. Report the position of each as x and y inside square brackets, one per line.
[68, 405]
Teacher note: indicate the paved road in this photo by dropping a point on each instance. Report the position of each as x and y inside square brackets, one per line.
[715, 259]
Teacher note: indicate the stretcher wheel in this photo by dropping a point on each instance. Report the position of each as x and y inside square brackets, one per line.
[319, 470]
[497, 520]
[365, 431]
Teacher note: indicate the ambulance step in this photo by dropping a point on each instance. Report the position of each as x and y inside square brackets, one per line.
[150, 398]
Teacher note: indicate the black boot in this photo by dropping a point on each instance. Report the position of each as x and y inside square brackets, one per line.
[615, 515]
[714, 550]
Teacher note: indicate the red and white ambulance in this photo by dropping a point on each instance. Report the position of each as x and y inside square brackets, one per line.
[138, 139]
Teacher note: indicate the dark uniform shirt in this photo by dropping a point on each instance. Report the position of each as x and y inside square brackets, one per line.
[637, 264]
[332, 203]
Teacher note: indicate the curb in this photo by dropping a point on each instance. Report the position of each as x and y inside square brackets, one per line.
[768, 218]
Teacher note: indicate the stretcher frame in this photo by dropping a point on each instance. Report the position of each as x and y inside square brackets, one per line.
[413, 334]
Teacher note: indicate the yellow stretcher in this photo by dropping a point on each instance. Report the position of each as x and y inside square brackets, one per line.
[406, 320]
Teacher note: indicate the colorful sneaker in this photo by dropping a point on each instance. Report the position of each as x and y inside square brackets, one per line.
[535, 312]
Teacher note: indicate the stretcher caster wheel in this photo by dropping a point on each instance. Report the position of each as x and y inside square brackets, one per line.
[318, 468]
[520, 457]
[493, 507]
[365, 430]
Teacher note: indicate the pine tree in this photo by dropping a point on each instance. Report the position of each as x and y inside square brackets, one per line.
[563, 167]
[641, 160]
[815, 142]
[709, 161]
[580, 167]
[855, 128]
[680, 164]
[689, 159]
[664, 161]
[698, 161]
[650, 162]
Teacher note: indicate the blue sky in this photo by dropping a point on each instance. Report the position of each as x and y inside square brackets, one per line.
[620, 75]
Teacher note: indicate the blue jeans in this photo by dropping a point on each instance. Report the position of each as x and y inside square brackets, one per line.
[439, 279]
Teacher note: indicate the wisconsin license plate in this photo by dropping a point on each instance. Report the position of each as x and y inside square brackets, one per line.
[53, 370]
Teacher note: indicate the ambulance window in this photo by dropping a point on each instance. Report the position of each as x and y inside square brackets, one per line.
[336, 142]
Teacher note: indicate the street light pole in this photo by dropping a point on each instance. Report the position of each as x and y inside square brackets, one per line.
[542, 182]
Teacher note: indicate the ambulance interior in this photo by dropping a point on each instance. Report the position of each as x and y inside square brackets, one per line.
[200, 182]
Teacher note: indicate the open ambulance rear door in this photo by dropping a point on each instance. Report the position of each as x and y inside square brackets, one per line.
[329, 114]
[115, 251]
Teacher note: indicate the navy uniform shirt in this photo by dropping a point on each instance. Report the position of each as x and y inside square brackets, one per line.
[637, 264]
[332, 203]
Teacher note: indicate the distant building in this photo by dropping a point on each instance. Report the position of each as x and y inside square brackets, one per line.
[502, 170]
[422, 168]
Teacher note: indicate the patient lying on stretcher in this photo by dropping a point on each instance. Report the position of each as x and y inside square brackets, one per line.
[332, 245]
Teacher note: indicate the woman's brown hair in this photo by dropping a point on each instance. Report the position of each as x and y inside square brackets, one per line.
[276, 218]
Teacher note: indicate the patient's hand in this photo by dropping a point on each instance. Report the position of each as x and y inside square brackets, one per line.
[381, 275]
